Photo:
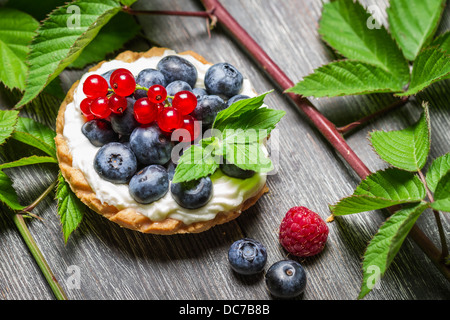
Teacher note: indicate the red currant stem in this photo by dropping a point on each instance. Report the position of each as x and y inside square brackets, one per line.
[139, 87]
[356, 124]
[321, 123]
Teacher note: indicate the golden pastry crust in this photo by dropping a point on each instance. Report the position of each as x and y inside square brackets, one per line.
[130, 218]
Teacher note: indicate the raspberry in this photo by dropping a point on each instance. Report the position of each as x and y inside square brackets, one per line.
[303, 233]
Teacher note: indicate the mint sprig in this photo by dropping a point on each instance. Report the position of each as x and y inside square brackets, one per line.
[237, 136]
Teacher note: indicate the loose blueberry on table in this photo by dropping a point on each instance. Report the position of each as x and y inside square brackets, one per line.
[131, 120]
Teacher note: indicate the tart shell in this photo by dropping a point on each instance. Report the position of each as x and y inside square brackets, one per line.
[130, 218]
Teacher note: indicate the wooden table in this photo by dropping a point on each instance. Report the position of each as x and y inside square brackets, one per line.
[116, 263]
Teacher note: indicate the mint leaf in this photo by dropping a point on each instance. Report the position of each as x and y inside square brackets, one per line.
[120, 29]
[442, 194]
[61, 38]
[431, 65]
[225, 118]
[344, 26]
[443, 42]
[195, 163]
[248, 157]
[405, 149]
[8, 119]
[386, 243]
[413, 23]
[70, 208]
[28, 161]
[438, 168]
[8, 195]
[380, 190]
[347, 77]
[36, 135]
[17, 30]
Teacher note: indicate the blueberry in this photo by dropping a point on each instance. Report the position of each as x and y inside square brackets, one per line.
[247, 256]
[177, 86]
[192, 194]
[177, 68]
[223, 79]
[99, 132]
[149, 184]
[146, 78]
[199, 92]
[207, 108]
[151, 145]
[124, 123]
[236, 98]
[234, 171]
[286, 279]
[171, 169]
[115, 162]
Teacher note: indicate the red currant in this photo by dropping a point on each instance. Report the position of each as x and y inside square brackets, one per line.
[144, 111]
[185, 102]
[157, 93]
[85, 107]
[117, 103]
[192, 126]
[100, 108]
[95, 86]
[122, 82]
[169, 119]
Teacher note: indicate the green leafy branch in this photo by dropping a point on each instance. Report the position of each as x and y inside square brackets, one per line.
[402, 185]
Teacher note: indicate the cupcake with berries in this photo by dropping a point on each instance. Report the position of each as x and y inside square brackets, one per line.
[137, 141]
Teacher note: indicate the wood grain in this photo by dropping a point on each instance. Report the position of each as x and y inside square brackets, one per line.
[116, 263]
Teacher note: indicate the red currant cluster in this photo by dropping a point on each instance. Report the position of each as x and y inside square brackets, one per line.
[101, 101]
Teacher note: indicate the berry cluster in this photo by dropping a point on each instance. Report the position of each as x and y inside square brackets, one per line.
[131, 119]
[102, 100]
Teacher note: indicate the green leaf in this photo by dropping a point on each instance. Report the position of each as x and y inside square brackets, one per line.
[248, 157]
[443, 42]
[36, 135]
[195, 163]
[382, 189]
[61, 38]
[8, 120]
[442, 194]
[127, 2]
[225, 118]
[438, 168]
[28, 161]
[347, 77]
[386, 243]
[16, 32]
[37, 9]
[413, 23]
[70, 208]
[431, 65]
[7, 193]
[405, 149]
[344, 26]
[120, 29]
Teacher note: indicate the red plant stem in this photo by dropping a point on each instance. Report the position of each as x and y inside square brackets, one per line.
[328, 129]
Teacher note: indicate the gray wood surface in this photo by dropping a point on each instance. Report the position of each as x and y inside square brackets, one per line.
[116, 263]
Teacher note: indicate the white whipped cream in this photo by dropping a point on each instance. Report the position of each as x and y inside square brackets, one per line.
[228, 193]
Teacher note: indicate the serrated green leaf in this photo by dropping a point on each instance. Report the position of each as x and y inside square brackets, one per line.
[347, 77]
[37, 9]
[16, 32]
[195, 163]
[36, 135]
[386, 243]
[226, 117]
[28, 161]
[120, 29]
[344, 26]
[442, 194]
[61, 38]
[7, 193]
[438, 168]
[382, 189]
[8, 120]
[70, 208]
[248, 157]
[443, 42]
[413, 23]
[431, 65]
[405, 149]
